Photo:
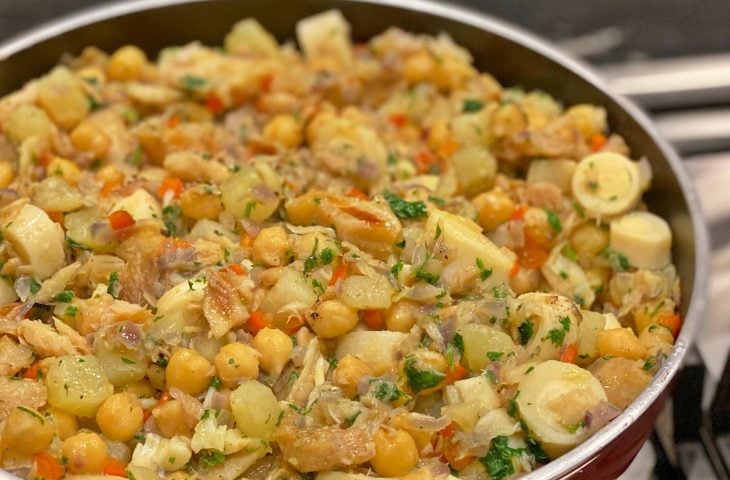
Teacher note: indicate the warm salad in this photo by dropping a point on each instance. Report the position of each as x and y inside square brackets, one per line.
[354, 260]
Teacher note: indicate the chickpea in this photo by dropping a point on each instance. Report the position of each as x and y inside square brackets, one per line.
[156, 376]
[589, 119]
[588, 239]
[64, 168]
[399, 317]
[126, 64]
[89, 138]
[332, 318]
[235, 361]
[275, 348]
[270, 247]
[650, 312]
[170, 419]
[110, 173]
[27, 430]
[141, 389]
[7, 174]
[189, 371]
[418, 68]
[65, 422]
[284, 129]
[657, 338]
[493, 209]
[120, 416]
[395, 453]
[197, 204]
[86, 452]
[348, 373]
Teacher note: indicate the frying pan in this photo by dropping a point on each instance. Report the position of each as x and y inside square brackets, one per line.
[513, 56]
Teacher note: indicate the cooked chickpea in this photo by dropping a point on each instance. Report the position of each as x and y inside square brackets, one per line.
[588, 239]
[348, 373]
[110, 173]
[120, 416]
[657, 338]
[170, 419]
[86, 452]
[332, 318]
[64, 168]
[189, 371]
[141, 389]
[270, 247]
[65, 422]
[235, 361]
[126, 64]
[27, 430]
[395, 453]
[275, 348]
[156, 376]
[589, 119]
[198, 204]
[493, 209]
[399, 317]
[284, 129]
[418, 68]
[89, 138]
[7, 174]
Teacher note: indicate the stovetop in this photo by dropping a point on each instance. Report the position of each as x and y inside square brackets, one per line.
[673, 58]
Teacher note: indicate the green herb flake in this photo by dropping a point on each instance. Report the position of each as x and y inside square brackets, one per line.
[623, 262]
[525, 331]
[349, 421]
[404, 209]
[649, 363]
[326, 256]
[494, 356]
[471, 106]
[211, 459]
[216, 383]
[499, 459]
[35, 286]
[387, 392]
[569, 253]
[484, 273]
[128, 361]
[491, 376]
[192, 82]
[458, 342]
[554, 221]
[32, 413]
[171, 218]
[113, 284]
[64, 297]
[437, 200]
[396, 269]
[427, 277]
[556, 336]
[574, 427]
[419, 380]
[71, 311]
[311, 261]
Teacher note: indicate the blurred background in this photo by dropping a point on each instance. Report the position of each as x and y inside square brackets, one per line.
[673, 58]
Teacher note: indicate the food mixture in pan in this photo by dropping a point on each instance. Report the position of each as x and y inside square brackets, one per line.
[357, 259]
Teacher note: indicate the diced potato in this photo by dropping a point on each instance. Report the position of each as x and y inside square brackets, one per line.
[26, 121]
[471, 128]
[61, 96]
[475, 169]
[248, 37]
[478, 396]
[77, 384]
[292, 289]
[141, 205]
[361, 292]
[622, 379]
[465, 240]
[620, 342]
[326, 37]
[377, 348]
[558, 172]
[482, 339]
[86, 227]
[252, 192]
[590, 327]
[255, 409]
[54, 194]
[121, 367]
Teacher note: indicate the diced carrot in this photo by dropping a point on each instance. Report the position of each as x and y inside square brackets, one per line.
[532, 256]
[120, 219]
[374, 319]
[598, 141]
[174, 243]
[448, 431]
[398, 119]
[171, 183]
[237, 269]
[457, 372]
[56, 217]
[257, 321]
[45, 158]
[164, 398]
[173, 121]
[519, 212]
[115, 467]
[47, 467]
[424, 161]
[450, 454]
[214, 104]
[514, 270]
[108, 186]
[246, 240]
[33, 370]
[448, 148]
[265, 82]
[340, 273]
[293, 324]
[356, 193]
[672, 322]
[569, 354]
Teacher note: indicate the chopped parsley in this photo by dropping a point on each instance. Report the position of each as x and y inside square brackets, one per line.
[211, 459]
[484, 273]
[32, 413]
[458, 343]
[326, 256]
[128, 361]
[437, 200]
[387, 392]
[499, 459]
[428, 277]
[405, 209]
[494, 356]
[471, 106]
[569, 253]
[216, 383]
[554, 221]
[512, 406]
[623, 262]
[649, 363]
[35, 286]
[349, 421]
[171, 218]
[418, 379]
[525, 331]
[396, 269]
[192, 82]
[557, 335]
[574, 427]
[311, 262]
[65, 297]
[113, 285]
[71, 311]
[499, 292]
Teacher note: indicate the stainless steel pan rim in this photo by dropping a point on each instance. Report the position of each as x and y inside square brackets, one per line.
[585, 453]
